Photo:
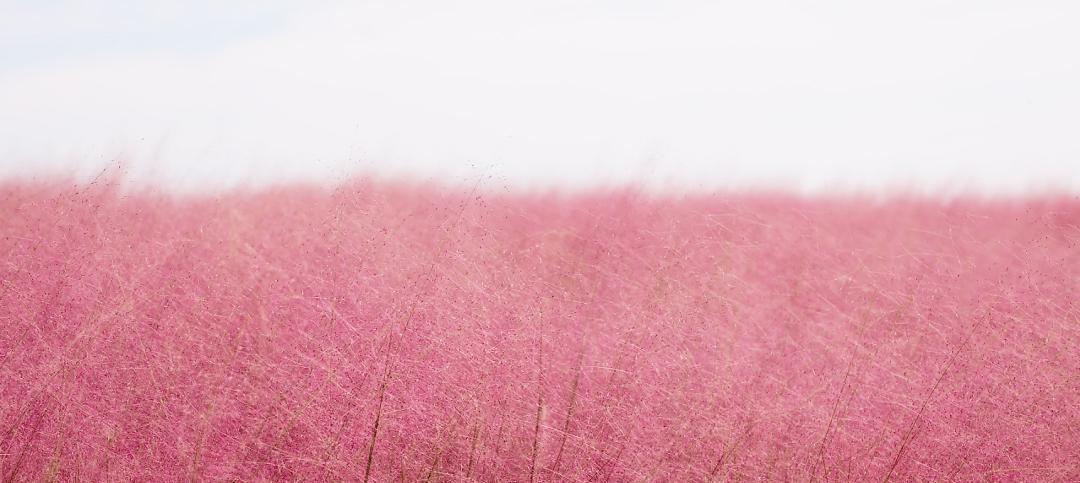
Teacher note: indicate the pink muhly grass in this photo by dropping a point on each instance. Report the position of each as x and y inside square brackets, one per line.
[384, 332]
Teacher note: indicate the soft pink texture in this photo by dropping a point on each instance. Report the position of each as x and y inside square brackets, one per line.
[610, 336]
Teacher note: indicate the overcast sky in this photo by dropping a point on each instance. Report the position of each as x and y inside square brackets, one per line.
[927, 95]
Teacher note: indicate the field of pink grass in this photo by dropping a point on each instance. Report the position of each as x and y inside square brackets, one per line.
[390, 332]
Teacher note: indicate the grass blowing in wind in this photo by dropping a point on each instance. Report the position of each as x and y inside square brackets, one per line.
[780, 241]
[383, 331]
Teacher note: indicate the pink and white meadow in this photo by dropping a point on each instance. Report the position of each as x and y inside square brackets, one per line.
[381, 331]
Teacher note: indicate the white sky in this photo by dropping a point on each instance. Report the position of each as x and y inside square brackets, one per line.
[929, 95]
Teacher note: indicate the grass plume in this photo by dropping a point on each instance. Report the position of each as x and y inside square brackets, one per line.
[411, 331]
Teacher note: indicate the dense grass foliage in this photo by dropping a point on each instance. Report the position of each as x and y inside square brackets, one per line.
[386, 332]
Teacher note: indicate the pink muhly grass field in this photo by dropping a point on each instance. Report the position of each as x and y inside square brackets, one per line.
[380, 331]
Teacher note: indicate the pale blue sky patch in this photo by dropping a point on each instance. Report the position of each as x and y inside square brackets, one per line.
[38, 34]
